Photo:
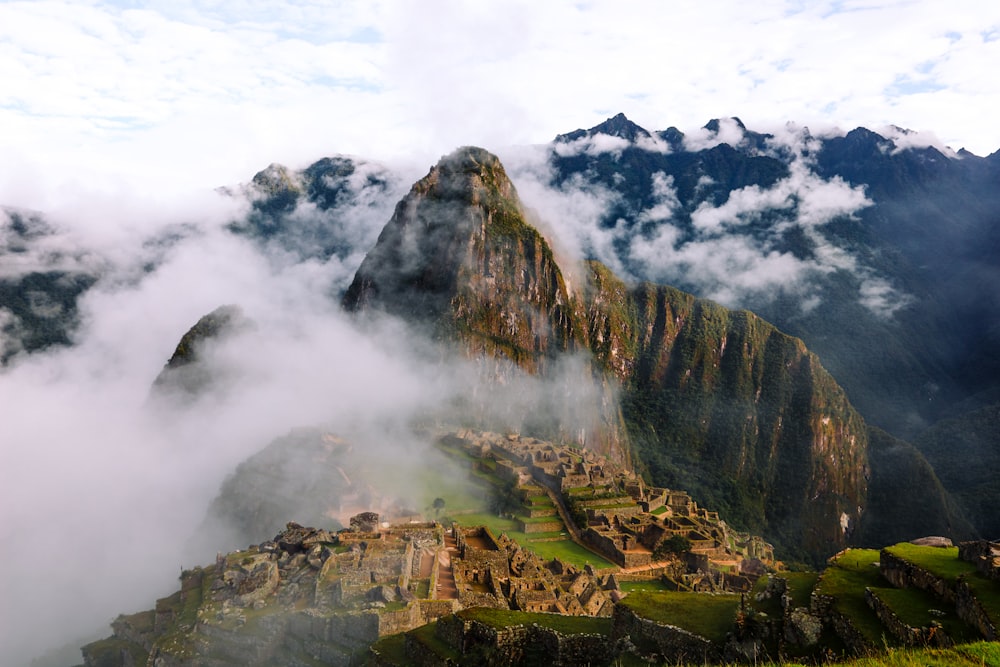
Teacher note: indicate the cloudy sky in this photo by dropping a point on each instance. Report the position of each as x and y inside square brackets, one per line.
[172, 95]
[113, 113]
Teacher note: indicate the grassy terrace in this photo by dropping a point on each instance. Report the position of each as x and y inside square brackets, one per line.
[651, 586]
[567, 625]
[941, 562]
[845, 580]
[913, 606]
[564, 549]
[800, 586]
[425, 635]
[711, 616]
[946, 564]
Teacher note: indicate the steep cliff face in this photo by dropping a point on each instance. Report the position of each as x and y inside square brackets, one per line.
[721, 402]
[459, 257]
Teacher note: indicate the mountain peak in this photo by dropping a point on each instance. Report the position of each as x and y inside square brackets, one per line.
[616, 126]
[714, 124]
[447, 225]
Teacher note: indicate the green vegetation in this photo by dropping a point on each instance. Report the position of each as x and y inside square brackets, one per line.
[392, 648]
[946, 564]
[845, 581]
[942, 562]
[650, 586]
[672, 546]
[711, 616]
[425, 635]
[979, 654]
[919, 609]
[950, 445]
[567, 625]
[800, 586]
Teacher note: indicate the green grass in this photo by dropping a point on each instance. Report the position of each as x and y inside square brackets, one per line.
[392, 648]
[800, 586]
[711, 616]
[425, 635]
[651, 586]
[543, 537]
[845, 580]
[566, 625]
[980, 654]
[913, 606]
[945, 563]
[662, 509]
[565, 550]
[541, 519]
[942, 562]
[495, 523]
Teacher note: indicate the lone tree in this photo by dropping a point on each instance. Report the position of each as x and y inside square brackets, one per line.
[438, 505]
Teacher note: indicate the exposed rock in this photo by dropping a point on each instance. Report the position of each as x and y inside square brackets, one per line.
[932, 541]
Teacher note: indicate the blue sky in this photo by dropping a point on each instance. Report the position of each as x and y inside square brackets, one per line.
[153, 95]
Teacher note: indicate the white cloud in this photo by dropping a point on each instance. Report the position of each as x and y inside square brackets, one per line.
[729, 132]
[170, 95]
[665, 197]
[592, 145]
[727, 264]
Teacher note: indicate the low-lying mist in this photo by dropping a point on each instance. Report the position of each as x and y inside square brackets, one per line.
[105, 492]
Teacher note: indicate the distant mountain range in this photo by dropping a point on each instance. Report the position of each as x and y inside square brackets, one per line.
[874, 256]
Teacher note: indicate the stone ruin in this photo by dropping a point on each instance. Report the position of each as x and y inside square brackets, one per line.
[626, 519]
[498, 573]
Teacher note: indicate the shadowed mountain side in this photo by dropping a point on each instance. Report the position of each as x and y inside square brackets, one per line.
[965, 453]
[905, 498]
[722, 403]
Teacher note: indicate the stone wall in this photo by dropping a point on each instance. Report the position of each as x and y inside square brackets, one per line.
[660, 641]
[332, 639]
[435, 609]
[394, 622]
[540, 526]
[903, 574]
[907, 634]
[984, 555]
[822, 607]
[970, 609]
[516, 645]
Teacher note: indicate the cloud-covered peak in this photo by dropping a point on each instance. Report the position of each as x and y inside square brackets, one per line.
[618, 126]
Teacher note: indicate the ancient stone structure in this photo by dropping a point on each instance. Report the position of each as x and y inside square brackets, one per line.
[984, 555]
[618, 515]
